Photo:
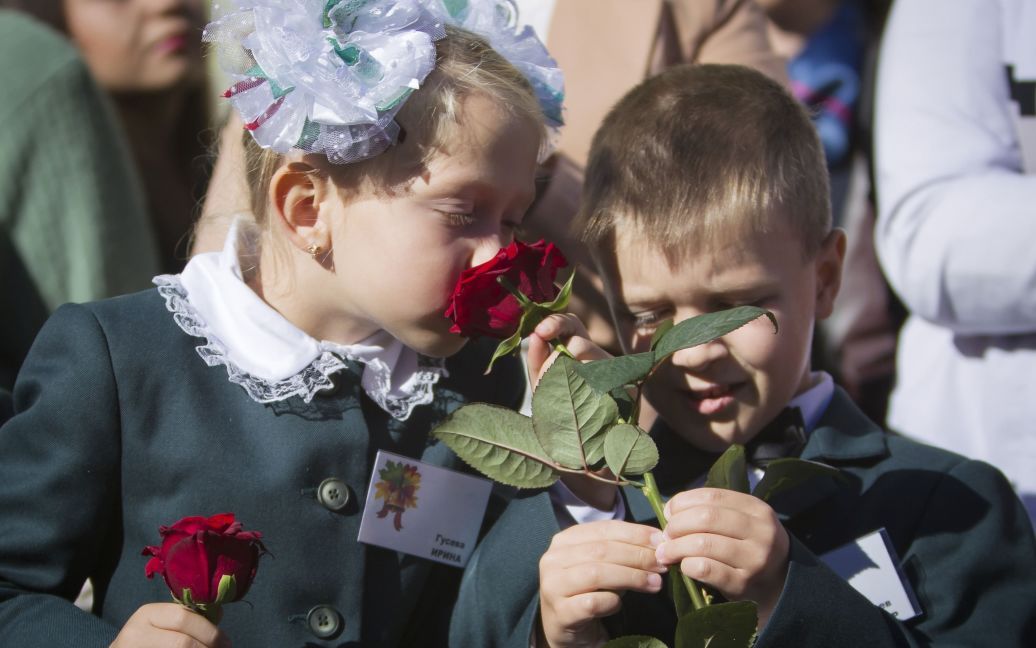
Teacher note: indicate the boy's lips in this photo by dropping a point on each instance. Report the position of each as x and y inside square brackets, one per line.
[712, 399]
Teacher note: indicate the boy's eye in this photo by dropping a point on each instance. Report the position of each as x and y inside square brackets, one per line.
[734, 303]
[649, 320]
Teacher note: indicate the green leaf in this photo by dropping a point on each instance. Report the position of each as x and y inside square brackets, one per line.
[500, 443]
[570, 417]
[635, 641]
[506, 347]
[783, 475]
[226, 591]
[532, 315]
[628, 450]
[730, 471]
[614, 373]
[560, 302]
[662, 329]
[724, 625]
[706, 328]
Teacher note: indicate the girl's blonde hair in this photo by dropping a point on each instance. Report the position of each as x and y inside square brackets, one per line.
[465, 65]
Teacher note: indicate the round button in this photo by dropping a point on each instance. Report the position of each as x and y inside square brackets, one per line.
[333, 494]
[324, 621]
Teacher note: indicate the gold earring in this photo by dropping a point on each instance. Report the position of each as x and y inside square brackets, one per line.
[314, 250]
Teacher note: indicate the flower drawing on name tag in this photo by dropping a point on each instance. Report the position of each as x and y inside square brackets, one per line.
[398, 488]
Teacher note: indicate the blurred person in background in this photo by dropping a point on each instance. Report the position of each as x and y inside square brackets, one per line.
[73, 225]
[831, 46]
[955, 145]
[147, 54]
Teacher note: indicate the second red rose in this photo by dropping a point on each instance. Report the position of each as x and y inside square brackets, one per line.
[481, 306]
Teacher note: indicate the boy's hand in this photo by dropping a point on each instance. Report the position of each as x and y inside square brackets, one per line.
[161, 625]
[729, 540]
[566, 328]
[584, 572]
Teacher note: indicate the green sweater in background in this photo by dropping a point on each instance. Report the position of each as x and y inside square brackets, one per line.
[73, 221]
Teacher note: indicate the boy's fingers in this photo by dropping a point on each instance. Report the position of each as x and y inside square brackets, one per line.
[570, 330]
[538, 358]
[710, 519]
[561, 325]
[615, 553]
[704, 545]
[592, 605]
[716, 497]
[603, 530]
[592, 577]
[728, 580]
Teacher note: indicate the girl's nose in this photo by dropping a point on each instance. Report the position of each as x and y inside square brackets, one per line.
[486, 249]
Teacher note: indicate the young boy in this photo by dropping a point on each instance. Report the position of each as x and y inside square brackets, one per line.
[706, 189]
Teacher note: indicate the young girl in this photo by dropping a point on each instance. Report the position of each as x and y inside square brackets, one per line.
[264, 379]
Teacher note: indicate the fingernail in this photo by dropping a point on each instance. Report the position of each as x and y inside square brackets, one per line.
[660, 554]
[655, 581]
[657, 538]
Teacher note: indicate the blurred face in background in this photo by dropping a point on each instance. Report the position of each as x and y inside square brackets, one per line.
[139, 45]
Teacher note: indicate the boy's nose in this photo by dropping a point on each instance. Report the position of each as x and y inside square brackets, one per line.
[701, 356]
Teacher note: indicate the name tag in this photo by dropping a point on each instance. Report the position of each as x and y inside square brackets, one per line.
[870, 565]
[423, 510]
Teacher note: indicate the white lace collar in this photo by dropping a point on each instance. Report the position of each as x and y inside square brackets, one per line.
[272, 358]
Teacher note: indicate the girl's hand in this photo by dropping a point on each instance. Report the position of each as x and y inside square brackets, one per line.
[160, 625]
[566, 328]
[729, 540]
[584, 572]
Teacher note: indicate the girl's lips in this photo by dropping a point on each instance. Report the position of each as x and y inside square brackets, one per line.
[172, 44]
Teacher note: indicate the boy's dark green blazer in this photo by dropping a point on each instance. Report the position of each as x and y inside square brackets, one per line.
[119, 427]
[965, 543]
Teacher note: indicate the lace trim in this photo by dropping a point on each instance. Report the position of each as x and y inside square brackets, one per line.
[313, 378]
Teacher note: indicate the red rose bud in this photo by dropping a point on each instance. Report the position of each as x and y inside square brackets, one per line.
[197, 554]
[481, 306]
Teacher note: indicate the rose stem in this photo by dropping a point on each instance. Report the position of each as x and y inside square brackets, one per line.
[650, 491]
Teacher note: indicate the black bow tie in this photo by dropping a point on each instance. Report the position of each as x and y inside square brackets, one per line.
[784, 436]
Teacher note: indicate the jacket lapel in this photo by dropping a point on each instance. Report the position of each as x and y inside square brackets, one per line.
[844, 435]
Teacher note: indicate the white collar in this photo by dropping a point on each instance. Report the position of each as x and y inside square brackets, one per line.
[271, 357]
[813, 402]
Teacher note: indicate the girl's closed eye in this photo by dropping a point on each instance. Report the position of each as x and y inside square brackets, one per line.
[457, 219]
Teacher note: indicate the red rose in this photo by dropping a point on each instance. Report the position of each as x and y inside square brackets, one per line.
[197, 552]
[480, 306]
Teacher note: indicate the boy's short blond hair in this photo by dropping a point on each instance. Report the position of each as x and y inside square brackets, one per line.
[699, 156]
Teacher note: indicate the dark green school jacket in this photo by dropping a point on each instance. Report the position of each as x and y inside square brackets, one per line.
[965, 543]
[120, 427]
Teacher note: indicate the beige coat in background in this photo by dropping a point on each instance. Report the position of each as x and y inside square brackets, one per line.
[605, 48]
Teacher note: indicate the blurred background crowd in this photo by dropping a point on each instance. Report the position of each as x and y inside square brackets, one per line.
[113, 148]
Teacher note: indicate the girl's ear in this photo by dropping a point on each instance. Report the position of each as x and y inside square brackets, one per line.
[828, 264]
[297, 191]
